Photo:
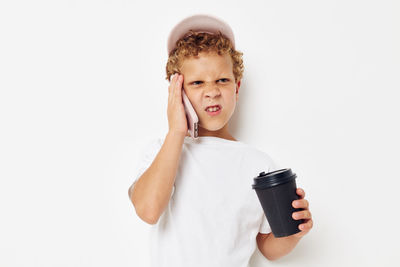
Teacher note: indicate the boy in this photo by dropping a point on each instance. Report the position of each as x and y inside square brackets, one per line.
[196, 193]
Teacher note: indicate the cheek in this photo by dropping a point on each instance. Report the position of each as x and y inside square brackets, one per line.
[232, 99]
[195, 101]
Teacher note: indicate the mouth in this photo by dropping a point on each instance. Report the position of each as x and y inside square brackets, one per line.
[213, 110]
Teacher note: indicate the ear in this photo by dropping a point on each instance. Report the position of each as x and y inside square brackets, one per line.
[237, 90]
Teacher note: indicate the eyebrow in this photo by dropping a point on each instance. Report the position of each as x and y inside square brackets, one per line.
[199, 80]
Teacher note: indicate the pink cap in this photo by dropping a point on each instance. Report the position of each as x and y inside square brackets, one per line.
[199, 23]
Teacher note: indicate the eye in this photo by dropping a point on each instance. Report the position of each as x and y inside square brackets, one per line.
[224, 80]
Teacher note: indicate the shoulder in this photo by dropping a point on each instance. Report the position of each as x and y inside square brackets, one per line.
[257, 152]
[259, 156]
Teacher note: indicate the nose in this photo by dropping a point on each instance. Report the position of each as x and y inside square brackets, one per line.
[212, 91]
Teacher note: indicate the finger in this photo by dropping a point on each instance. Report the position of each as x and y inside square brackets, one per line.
[174, 85]
[300, 203]
[306, 226]
[301, 192]
[172, 77]
[170, 83]
[178, 85]
[304, 214]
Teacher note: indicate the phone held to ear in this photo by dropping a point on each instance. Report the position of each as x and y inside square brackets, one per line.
[191, 116]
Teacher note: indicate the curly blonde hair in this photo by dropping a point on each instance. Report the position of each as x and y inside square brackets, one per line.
[194, 43]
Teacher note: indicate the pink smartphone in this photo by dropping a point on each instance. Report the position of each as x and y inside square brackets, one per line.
[191, 116]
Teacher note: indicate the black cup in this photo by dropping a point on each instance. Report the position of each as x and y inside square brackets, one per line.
[276, 191]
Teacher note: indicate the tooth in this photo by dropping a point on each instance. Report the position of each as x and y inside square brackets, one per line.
[213, 109]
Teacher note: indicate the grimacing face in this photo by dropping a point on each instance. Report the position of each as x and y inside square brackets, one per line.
[208, 79]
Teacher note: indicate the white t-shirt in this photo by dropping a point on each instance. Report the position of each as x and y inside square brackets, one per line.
[214, 215]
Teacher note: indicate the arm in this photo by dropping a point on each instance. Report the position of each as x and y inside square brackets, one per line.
[152, 191]
[274, 248]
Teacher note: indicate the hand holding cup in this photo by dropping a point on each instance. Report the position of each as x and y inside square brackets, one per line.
[283, 203]
[304, 215]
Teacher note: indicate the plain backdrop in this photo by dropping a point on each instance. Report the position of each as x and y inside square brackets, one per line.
[83, 89]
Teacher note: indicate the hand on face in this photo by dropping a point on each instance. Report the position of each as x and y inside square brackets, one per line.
[177, 121]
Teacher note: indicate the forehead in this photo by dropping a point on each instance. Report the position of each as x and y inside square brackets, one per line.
[207, 64]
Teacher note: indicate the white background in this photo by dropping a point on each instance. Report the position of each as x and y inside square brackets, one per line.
[83, 88]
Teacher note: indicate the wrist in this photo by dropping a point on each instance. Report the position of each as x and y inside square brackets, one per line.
[292, 238]
[295, 237]
[176, 134]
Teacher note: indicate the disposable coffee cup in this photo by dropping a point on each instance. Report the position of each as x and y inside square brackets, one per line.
[276, 191]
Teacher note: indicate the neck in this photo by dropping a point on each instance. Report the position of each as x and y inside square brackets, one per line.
[222, 133]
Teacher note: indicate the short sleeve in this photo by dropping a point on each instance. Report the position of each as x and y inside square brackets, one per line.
[146, 158]
[273, 165]
[264, 226]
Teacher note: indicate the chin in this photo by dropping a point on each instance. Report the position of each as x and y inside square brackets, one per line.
[213, 126]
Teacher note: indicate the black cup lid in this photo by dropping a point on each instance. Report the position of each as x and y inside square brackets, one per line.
[266, 180]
